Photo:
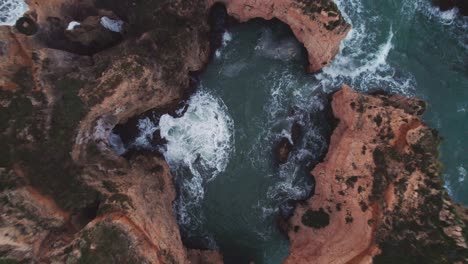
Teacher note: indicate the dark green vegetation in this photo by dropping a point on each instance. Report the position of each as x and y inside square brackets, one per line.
[398, 237]
[168, 29]
[26, 26]
[8, 261]
[315, 219]
[110, 245]
[168, 256]
[44, 154]
[313, 7]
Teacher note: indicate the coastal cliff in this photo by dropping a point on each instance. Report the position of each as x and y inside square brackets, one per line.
[69, 72]
[378, 194]
[68, 198]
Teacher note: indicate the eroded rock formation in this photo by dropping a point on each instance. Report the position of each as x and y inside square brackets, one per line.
[65, 196]
[378, 194]
[318, 25]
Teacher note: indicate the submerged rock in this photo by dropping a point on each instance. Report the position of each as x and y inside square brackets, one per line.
[285, 145]
[379, 196]
[282, 150]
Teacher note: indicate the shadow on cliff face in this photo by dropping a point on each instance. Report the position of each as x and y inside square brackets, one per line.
[90, 38]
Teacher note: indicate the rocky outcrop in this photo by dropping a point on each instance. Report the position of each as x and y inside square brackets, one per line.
[318, 25]
[66, 197]
[282, 150]
[378, 194]
[205, 257]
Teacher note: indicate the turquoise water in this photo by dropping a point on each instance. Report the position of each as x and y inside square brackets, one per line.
[257, 87]
[230, 188]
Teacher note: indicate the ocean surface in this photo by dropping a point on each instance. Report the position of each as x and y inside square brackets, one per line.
[220, 149]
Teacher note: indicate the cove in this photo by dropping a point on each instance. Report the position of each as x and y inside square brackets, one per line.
[232, 193]
[230, 189]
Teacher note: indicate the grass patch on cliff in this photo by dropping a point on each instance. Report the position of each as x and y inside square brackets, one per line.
[8, 261]
[106, 244]
[400, 236]
[315, 219]
[46, 158]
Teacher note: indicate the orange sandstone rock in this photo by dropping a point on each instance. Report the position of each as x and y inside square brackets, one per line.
[378, 192]
[318, 25]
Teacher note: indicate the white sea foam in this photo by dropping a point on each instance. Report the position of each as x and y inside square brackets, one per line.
[458, 24]
[362, 60]
[433, 12]
[147, 129]
[462, 173]
[286, 91]
[112, 24]
[116, 144]
[11, 10]
[72, 25]
[227, 37]
[202, 139]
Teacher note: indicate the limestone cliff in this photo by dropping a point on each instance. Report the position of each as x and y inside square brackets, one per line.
[66, 197]
[378, 193]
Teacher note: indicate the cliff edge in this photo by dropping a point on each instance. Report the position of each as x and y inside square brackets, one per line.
[378, 194]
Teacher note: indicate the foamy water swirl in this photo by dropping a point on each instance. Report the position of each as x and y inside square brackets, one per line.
[11, 10]
[202, 139]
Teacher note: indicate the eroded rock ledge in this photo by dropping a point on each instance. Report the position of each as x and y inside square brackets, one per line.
[318, 25]
[379, 195]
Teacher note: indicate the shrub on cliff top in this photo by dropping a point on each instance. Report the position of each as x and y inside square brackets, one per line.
[315, 219]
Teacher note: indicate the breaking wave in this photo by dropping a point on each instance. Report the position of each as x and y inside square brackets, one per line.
[455, 24]
[363, 58]
[202, 141]
[11, 10]
[292, 100]
[147, 128]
